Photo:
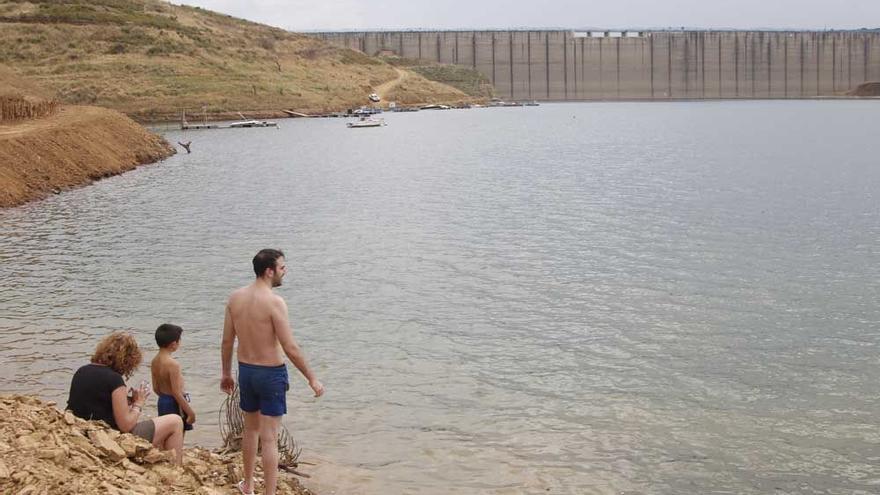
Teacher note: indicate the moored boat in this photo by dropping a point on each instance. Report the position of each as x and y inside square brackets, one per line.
[367, 122]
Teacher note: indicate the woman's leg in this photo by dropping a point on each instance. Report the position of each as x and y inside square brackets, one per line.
[169, 435]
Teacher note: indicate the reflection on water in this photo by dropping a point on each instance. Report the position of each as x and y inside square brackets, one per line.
[580, 298]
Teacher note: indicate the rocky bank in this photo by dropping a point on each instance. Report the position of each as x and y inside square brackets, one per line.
[44, 450]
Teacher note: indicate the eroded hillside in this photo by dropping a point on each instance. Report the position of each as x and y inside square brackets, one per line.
[151, 59]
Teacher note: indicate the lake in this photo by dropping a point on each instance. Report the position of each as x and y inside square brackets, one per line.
[639, 298]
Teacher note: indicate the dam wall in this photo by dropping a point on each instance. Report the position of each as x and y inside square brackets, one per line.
[652, 65]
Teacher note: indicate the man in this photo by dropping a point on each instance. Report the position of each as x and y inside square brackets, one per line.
[257, 317]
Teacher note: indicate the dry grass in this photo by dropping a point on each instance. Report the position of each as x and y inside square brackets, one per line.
[151, 60]
[14, 108]
[469, 81]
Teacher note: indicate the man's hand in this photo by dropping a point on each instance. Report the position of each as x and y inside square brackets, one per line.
[317, 387]
[227, 384]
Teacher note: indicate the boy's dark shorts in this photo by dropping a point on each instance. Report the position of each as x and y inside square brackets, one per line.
[167, 404]
[263, 388]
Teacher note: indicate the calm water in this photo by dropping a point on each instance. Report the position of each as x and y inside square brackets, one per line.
[574, 298]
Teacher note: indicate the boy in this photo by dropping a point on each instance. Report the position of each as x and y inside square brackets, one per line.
[167, 378]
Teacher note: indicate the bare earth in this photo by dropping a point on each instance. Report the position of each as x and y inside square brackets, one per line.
[74, 147]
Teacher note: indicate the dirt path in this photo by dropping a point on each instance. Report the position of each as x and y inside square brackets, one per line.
[383, 89]
[64, 118]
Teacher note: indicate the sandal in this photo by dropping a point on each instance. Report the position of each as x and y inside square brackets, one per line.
[241, 488]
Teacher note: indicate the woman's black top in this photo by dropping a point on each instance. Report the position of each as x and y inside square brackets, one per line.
[91, 393]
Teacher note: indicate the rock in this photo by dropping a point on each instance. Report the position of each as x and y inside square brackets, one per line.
[154, 456]
[65, 455]
[51, 454]
[28, 441]
[133, 467]
[108, 447]
[129, 445]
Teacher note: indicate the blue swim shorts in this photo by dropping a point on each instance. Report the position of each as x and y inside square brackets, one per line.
[263, 388]
[167, 404]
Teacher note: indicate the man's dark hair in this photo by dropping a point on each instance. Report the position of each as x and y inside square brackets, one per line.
[167, 334]
[266, 258]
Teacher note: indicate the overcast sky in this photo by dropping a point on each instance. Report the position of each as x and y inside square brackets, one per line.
[312, 15]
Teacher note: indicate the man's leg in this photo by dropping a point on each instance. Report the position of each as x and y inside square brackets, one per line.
[269, 426]
[249, 438]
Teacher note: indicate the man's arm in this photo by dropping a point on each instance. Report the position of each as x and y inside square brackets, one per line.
[177, 392]
[284, 334]
[227, 384]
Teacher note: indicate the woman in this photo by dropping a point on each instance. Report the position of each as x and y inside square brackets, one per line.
[98, 392]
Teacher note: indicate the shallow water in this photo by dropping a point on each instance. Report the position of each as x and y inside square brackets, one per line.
[576, 298]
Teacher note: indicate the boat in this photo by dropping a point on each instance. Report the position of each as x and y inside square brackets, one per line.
[436, 107]
[366, 111]
[251, 123]
[367, 122]
[497, 102]
[184, 125]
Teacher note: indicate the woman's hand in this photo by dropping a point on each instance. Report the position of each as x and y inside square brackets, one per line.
[140, 394]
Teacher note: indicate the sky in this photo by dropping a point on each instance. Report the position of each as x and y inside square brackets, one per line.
[329, 15]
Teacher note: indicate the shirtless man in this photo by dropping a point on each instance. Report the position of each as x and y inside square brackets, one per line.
[257, 317]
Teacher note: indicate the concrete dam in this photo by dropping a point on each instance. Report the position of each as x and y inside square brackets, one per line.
[650, 65]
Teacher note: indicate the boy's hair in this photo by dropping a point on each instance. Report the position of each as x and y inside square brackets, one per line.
[167, 334]
[265, 259]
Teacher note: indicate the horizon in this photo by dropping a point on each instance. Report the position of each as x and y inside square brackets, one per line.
[495, 15]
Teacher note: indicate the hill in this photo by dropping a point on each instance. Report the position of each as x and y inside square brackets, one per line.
[46, 146]
[150, 60]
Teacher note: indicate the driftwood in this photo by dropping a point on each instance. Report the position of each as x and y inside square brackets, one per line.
[185, 145]
[232, 425]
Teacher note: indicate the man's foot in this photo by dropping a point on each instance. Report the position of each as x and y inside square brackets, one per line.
[241, 488]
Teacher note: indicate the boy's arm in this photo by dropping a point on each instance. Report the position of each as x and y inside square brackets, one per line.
[177, 391]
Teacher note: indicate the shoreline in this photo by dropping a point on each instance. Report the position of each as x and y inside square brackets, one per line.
[71, 148]
[44, 449]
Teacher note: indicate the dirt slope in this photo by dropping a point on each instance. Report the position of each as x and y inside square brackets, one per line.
[73, 147]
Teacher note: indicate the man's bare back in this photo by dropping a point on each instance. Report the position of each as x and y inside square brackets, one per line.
[255, 312]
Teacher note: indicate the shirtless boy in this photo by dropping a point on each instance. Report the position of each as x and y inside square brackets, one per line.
[257, 317]
[167, 377]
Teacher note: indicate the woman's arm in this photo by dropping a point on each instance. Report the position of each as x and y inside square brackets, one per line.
[126, 416]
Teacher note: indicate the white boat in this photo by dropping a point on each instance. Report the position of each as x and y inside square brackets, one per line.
[252, 123]
[367, 122]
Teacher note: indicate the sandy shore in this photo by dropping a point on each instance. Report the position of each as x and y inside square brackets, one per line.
[46, 450]
[71, 148]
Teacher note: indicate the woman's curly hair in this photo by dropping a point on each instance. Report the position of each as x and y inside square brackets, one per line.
[120, 352]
